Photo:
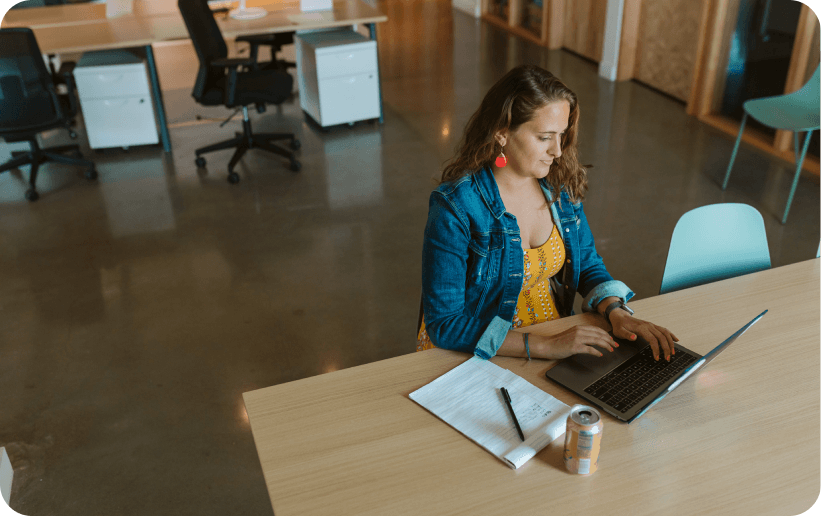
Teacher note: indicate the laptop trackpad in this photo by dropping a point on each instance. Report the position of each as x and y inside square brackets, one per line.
[584, 369]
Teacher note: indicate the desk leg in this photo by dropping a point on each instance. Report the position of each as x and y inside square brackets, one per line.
[155, 87]
[372, 30]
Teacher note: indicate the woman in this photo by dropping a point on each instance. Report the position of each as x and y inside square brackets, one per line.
[507, 243]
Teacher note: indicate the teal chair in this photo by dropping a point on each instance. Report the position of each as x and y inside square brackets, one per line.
[713, 243]
[796, 112]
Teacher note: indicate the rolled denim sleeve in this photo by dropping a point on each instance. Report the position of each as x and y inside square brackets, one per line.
[612, 288]
[444, 273]
[492, 339]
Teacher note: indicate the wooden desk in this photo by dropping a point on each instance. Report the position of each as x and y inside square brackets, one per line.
[76, 13]
[740, 437]
[70, 14]
[84, 27]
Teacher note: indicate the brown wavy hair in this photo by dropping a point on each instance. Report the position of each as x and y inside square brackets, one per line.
[511, 102]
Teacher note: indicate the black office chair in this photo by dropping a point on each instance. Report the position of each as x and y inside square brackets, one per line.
[276, 42]
[30, 104]
[221, 82]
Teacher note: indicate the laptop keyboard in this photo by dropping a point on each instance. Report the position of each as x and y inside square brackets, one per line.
[636, 378]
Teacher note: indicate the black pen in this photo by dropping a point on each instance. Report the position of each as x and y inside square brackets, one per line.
[506, 396]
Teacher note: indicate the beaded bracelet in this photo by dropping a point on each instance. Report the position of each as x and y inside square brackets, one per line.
[527, 348]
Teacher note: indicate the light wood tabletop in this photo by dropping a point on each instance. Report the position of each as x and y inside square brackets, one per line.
[740, 437]
[135, 31]
[84, 27]
[281, 17]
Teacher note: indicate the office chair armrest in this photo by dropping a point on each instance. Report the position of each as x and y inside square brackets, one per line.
[258, 39]
[232, 62]
[275, 41]
[232, 65]
[255, 40]
[66, 73]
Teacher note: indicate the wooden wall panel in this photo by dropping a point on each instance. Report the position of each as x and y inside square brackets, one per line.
[815, 48]
[555, 23]
[584, 27]
[803, 62]
[629, 40]
[667, 44]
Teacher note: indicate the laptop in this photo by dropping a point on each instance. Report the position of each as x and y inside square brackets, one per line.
[628, 381]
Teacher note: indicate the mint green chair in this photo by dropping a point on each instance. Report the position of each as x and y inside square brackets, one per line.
[713, 243]
[796, 112]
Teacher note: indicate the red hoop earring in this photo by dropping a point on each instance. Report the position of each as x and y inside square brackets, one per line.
[501, 161]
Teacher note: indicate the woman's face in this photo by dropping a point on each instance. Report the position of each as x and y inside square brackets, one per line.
[534, 145]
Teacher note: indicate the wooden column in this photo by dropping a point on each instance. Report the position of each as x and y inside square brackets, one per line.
[555, 23]
[797, 73]
[628, 48]
[515, 12]
[584, 22]
[718, 18]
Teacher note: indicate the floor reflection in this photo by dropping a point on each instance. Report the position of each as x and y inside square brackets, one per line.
[353, 166]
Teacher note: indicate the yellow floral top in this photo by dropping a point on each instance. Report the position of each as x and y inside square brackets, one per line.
[535, 304]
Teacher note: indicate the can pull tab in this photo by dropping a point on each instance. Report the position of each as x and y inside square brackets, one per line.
[587, 418]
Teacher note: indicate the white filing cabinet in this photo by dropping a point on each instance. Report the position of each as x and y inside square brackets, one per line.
[115, 99]
[338, 76]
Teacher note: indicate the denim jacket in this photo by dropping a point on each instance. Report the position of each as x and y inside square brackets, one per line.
[473, 264]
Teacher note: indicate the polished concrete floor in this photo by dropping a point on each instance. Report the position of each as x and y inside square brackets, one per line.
[134, 312]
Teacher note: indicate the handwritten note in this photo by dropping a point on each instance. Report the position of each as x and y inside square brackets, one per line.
[468, 399]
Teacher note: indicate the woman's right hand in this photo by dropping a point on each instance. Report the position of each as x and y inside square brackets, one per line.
[578, 339]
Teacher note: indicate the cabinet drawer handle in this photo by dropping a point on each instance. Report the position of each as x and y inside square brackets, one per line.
[109, 78]
[351, 80]
[347, 57]
[117, 103]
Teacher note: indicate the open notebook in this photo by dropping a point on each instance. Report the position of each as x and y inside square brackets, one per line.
[468, 399]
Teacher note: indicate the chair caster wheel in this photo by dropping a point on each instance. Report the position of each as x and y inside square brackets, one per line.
[233, 178]
[200, 162]
[32, 195]
[91, 175]
[295, 144]
[296, 166]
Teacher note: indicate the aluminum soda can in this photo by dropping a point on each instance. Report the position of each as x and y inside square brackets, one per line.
[582, 440]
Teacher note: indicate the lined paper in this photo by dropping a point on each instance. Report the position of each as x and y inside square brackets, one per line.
[469, 399]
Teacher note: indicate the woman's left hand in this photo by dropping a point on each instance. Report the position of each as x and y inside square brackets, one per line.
[625, 326]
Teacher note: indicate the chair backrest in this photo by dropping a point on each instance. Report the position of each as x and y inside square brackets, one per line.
[207, 39]
[810, 94]
[28, 98]
[713, 243]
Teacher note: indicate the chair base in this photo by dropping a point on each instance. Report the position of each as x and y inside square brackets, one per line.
[37, 156]
[247, 140]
